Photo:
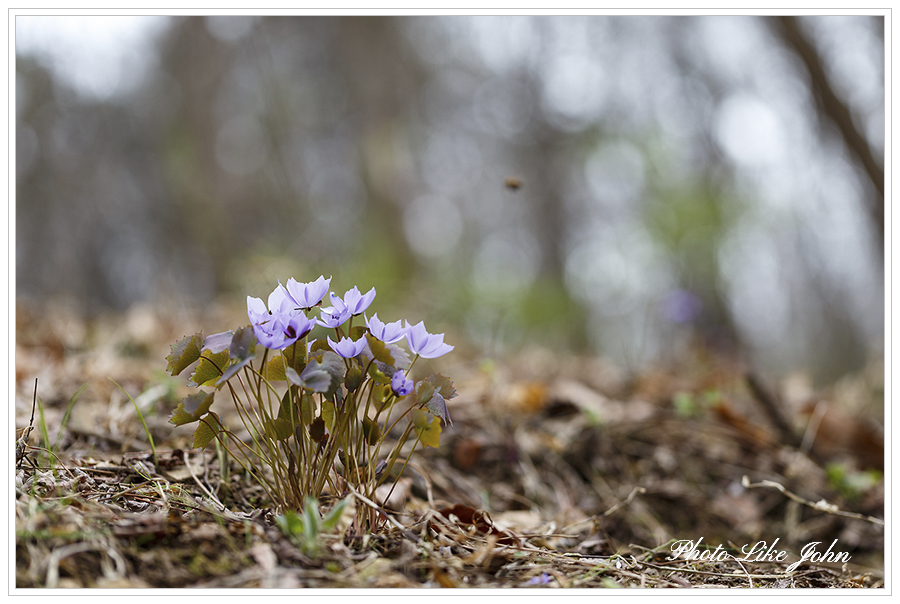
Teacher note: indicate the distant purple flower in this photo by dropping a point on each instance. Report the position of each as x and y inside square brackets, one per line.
[347, 348]
[307, 295]
[278, 328]
[424, 344]
[681, 306]
[387, 333]
[400, 385]
[541, 579]
[356, 302]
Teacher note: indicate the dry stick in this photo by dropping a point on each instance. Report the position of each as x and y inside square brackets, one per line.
[406, 532]
[628, 499]
[200, 484]
[773, 410]
[821, 505]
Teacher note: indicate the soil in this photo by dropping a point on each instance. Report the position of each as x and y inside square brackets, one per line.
[559, 471]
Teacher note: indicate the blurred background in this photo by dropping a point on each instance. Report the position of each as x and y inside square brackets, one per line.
[622, 186]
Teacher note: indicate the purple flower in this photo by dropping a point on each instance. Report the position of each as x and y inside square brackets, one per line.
[335, 315]
[400, 385]
[541, 579]
[424, 344]
[307, 295]
[347, 348]
[278, 328]
[387, 333]
[356, 302]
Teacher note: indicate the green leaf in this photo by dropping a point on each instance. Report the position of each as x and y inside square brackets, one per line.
[331, 519]
[279, 428]
[243, 344]
[377, 374]
[323, 376]
[401, 357]
[274, 371]
[442, 384]
[328, 414]
[358, 332]
[307, 408]
[354, 378]
[191, 408]
[371, 430]
[379, 350]
[288, 408]
[207, 430]
[320, 344]
[184, 353]
[381, 394]
[427, 427]
[292, 357]
[317, 429]
[311, 517]
[290, 523]
[424, 391]
[210, 369]
[438, 407]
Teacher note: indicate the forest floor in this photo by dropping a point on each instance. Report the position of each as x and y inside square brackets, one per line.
[558, 472]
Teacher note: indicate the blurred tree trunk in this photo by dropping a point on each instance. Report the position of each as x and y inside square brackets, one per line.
[832, 108]
[383, 85]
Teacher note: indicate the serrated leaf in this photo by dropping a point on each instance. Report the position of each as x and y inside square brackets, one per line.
[438, 407]
[379, 351]
[442, 384]
[210, 368]
[292, 357]
[184, 353]
[218, 342]
[400, 356]
[424, 391]
[377, 373]
[274, 371]
[295, 355]
[207, 430]
[427, 427]
[318, 345]
[191, 408]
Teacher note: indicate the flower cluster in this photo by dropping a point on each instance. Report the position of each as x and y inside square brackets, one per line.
[286, 321]
[341, 394]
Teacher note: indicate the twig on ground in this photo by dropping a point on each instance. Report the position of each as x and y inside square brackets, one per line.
[821, 505]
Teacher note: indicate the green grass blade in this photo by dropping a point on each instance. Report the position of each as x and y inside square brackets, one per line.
[144, 423]
[42, 426]
[65, 418]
